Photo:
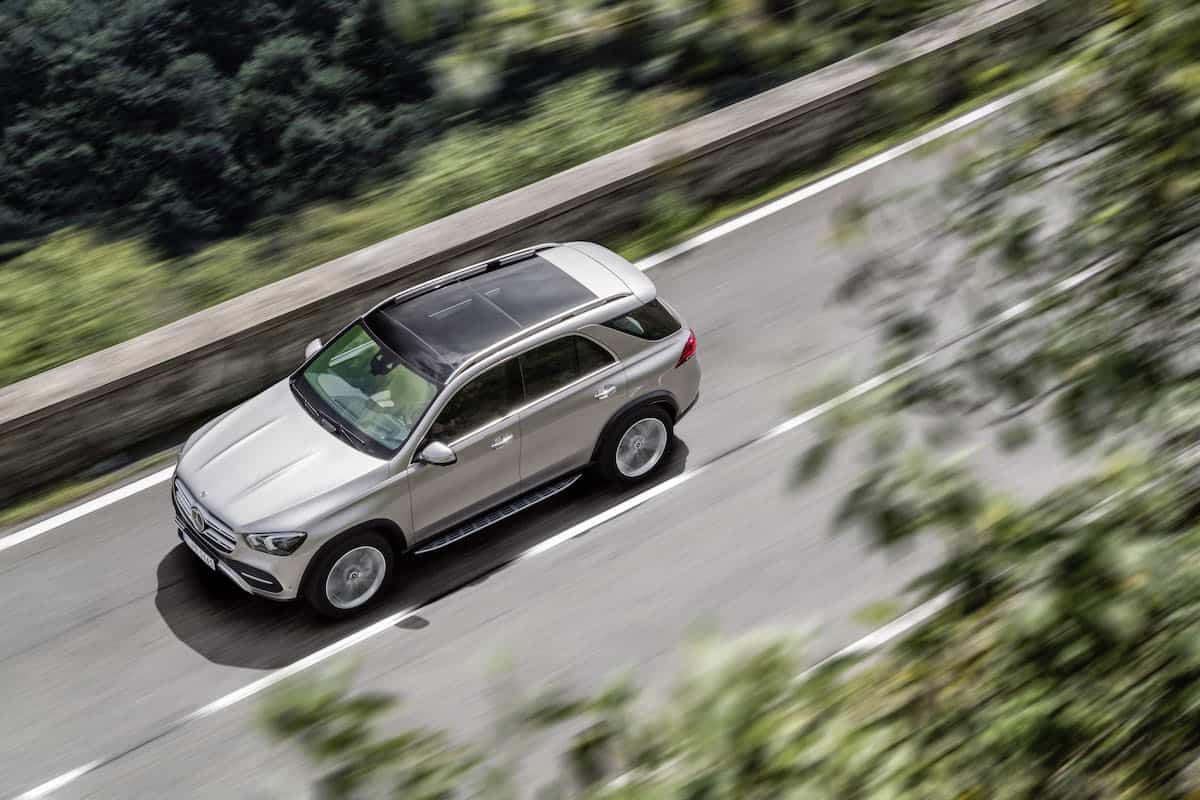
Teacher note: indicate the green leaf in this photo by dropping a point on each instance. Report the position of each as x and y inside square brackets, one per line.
[1015, 435]
[873, 615]
[814, 461]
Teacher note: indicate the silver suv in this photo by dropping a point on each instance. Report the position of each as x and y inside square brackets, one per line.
[439, 412]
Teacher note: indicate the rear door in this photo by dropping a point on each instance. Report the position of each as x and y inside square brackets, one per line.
[573, 386]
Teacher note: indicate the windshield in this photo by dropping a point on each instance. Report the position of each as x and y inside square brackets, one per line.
[368, 388]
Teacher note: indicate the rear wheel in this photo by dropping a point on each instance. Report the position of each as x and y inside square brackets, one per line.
[636, 445]
[348, 576]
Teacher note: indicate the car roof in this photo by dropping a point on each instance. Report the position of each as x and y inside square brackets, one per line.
[438, 330]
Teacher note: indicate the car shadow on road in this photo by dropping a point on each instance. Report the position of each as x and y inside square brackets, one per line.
[226, 626]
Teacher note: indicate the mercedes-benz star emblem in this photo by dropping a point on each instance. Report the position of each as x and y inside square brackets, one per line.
[197, 519]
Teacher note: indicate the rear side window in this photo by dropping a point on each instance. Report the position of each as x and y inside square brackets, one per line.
[652, 321]
[555, 364]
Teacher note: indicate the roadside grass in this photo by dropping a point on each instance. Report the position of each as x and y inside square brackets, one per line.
[672, 218]
[106, 291]
[71, 491]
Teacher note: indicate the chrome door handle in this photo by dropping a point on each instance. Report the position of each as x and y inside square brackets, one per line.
[606, 392]
[501, 441]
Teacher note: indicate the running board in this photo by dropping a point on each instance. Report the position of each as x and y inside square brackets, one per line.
[476, 524]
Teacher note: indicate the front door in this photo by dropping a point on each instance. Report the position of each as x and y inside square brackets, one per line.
[480, 424]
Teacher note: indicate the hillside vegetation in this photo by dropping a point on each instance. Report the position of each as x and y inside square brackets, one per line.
[159, 156]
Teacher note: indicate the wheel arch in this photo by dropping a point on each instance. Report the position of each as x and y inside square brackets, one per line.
[659, 397]
[388, 528]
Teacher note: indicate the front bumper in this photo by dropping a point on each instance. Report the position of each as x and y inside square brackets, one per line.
[247, 577]
[262, 574]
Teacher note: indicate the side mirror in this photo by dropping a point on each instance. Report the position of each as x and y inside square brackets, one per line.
[437, 453]
[312, 349]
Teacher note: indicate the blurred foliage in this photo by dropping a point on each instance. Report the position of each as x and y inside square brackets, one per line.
[1068, 668]
[1095, 176]
[110, 290]
[189, 121]
[160, 156]
[76, 293]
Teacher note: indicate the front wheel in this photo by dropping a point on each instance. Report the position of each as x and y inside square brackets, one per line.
[349, 575]
[636, 445]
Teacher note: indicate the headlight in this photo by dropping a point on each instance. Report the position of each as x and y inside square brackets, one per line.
[276, 544]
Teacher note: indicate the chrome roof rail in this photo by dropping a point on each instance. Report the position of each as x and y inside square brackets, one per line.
[525, 333]
[462, 273]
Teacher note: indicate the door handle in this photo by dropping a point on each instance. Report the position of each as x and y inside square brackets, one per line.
[501, 441]
[605, 393]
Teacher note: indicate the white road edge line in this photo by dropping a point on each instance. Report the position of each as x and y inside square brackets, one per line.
[84, 509]
[847, 174]
[872, 640]
[686, 246]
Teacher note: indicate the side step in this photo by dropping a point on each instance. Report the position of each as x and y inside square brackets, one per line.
[488, 518]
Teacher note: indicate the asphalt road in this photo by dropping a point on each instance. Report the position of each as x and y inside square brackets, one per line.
[112, 631]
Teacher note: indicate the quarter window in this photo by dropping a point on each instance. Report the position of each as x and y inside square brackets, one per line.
[555, 364]
[652, 321]
[485, 399]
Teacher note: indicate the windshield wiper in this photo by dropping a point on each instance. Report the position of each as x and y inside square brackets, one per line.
[327, 422]
[345, 431]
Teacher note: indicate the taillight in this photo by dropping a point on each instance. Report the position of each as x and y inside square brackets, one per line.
[689, 349]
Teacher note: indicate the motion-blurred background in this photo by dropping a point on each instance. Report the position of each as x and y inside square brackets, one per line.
[1023, 278]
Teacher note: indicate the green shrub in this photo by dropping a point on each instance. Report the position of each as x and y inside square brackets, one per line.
[75, 294]
[103, 292]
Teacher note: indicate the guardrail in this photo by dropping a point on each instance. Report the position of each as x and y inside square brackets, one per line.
[67, 419]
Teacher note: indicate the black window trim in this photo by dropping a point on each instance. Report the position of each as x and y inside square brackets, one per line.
[608, 322]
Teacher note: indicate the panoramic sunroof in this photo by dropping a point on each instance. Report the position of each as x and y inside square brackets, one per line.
[531, 290]
[439, 330]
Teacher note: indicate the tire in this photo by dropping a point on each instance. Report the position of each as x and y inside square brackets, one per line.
[365, 552]
[651, 428]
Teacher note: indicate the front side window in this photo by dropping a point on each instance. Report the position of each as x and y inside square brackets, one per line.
[555, 364]
[487, 398]
[652, 322]
[368, 389]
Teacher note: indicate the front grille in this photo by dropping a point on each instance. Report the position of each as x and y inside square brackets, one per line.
[211, 529]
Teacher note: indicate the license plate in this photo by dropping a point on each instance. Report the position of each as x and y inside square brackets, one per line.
[200, 554]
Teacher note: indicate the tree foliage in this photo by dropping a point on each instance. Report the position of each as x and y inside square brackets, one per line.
[1066, 663]
[1066, 668]
[1083, 207]
[189, 121]
[114, 289]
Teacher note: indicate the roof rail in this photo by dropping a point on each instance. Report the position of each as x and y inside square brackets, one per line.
[463, 273]
[525, 333]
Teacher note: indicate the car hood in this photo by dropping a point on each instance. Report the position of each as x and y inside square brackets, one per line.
[267, 456]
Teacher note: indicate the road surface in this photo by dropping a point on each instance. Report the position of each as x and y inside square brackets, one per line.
[113, 634]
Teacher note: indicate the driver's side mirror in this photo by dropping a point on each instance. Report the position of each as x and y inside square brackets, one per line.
[437, 453]
[312, 349]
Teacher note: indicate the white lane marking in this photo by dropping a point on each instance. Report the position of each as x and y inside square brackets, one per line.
[686, 246]
[884, 634]
[62, 780]
[84, 509]
[847, 174]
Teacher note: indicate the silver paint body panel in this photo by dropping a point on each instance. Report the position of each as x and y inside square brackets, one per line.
[267, 466]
